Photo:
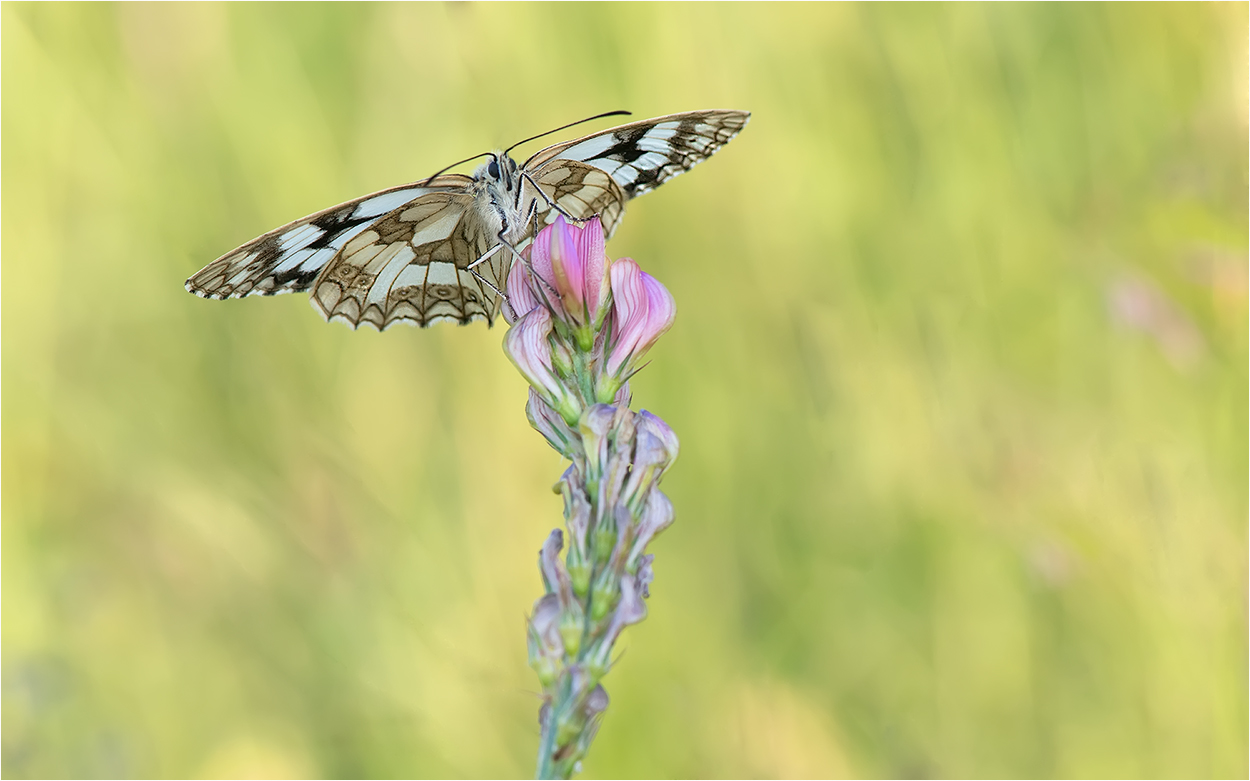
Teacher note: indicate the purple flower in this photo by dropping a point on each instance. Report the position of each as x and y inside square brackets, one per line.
[643, 310]
[548, 423]
[657, 516]
[546, 646]
[661, 431]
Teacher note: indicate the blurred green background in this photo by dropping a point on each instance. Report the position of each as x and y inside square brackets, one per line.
[960, 374]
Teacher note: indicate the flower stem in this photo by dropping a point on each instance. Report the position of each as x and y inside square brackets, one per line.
[546, 749]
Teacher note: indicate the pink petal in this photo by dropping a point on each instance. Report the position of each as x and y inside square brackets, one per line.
[590, 249]
[520, 300]
[629, 302]
[567, 266]
[526, 344]
[661, 310]
[540, 257]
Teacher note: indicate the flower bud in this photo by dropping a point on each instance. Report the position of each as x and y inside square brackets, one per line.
[602, 597]
[576, 515]
[548, 423]
[572, 627]
[643, 310]
[656, 517]
[645, 574]
[661, 431]
[579, 573]
[603, 539]
[571, 262]
[594, 426]
[561, 360]
[630, 609]
[555, 578]
[546, 647]
[623, 397]
[649, 458]
[529, 349]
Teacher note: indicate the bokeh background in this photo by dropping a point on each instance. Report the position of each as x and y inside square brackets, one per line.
[960, 373]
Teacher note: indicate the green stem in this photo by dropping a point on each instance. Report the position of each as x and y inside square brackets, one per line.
[546, 747]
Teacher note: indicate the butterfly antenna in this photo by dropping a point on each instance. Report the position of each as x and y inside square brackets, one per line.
[453, 165]
[566, 127]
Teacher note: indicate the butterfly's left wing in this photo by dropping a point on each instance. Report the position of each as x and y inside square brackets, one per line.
[598, 173]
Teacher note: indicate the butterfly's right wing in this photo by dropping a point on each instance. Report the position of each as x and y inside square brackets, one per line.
[636, 158]
[580, 189]
[288, 259]
[397, 255]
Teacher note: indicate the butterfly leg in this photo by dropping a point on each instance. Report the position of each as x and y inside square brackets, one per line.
[488, 254]
[550, 202]
[486, 282]
[485, 256]
[544, 288]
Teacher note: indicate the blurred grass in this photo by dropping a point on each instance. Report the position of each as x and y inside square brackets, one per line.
[960, 375]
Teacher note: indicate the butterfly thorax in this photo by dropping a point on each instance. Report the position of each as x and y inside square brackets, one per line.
[499, 196]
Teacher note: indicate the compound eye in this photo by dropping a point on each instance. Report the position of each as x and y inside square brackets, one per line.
[493, 169]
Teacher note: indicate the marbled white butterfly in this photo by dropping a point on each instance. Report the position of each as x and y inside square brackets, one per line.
[440, 249]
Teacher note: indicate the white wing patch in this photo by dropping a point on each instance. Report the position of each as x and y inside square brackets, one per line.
[381, 204]
[442, 274]
[436, 230]
[299, 237]
[643, 155]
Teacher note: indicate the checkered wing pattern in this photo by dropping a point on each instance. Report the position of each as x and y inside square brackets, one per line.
[396, 255]
[637, 157]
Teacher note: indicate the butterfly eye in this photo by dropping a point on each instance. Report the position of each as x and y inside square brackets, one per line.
[493, 169]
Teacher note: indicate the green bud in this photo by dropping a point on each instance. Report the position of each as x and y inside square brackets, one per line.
[603, 541]
[602, 599]
[572, 626]
[568, 727]
[548, 670]
[569, 409]
[561, 361]
[606, 388]
[595, 667]
[585, 338]
[579, 573]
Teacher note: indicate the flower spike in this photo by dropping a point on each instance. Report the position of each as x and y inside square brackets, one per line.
[581, 325]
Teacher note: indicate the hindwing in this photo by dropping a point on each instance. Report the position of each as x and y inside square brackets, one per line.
[412, 265]
[582, 190]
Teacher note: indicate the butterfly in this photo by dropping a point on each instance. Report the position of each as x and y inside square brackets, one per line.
[439, 250]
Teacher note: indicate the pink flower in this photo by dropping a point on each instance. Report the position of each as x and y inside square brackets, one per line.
[520, 299]
[643, 310]
[529, 348]
[571, 266]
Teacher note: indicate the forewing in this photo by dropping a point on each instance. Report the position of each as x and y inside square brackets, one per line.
[288, 259]
[412, 265]
[643, 155]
